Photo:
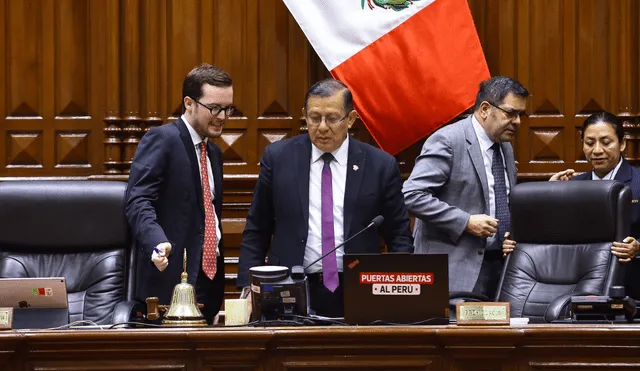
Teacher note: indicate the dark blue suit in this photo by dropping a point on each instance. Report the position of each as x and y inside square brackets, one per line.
[164, 203]
[280, 206]
[629, 176]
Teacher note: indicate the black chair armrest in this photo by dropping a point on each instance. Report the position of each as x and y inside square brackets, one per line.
[128, 311]
[468, 296]
[559, 306]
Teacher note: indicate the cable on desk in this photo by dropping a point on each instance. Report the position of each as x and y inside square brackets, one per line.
[75, 323]
[423, 322]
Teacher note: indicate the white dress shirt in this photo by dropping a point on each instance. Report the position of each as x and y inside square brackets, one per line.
[338, 167]
[610, 175]
[487, 157]
[197, 139]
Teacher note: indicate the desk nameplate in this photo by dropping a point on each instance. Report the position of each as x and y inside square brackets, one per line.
[482, 313]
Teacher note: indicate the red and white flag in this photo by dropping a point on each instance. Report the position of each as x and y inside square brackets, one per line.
[412, 66]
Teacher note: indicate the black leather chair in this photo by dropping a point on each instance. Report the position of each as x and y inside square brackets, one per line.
[564, 232]
[76, 230]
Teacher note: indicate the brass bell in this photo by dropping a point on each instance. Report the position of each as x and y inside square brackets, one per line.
[183, 310]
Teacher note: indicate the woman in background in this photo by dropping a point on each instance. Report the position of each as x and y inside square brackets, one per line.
[603, 144]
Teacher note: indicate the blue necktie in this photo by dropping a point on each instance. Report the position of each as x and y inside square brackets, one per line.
[500, 192]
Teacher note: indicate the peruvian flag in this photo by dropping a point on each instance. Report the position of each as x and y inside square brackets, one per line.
[412, 66]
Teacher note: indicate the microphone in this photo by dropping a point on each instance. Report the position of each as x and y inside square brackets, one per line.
[374, 223]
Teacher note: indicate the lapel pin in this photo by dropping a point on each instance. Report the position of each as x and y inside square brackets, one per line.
[355, 168]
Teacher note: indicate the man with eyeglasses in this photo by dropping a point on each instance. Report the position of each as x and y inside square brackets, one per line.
[174, 196]
[459, 187]
[316, 190]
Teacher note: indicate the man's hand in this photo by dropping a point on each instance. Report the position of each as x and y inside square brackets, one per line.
[563, 175]
[482, 225]
[159, 259]
[625, 250]
[508, 244]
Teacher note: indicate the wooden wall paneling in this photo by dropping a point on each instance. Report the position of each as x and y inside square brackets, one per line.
[50, 127]
[509, 25]
[484, 13]
[249, 98]
[541, 135]
[571, 124]
[163, 35]
[592, 37]
[183, 49]
[4, 84]
[276, 112]
[58, 81]
[239, 54]
[498, 25]
[592, 64]
[623, 57]
[98, 14]
[233, 37]
[153, 81]
[298, 74]
[47, 83]
[23, 135]
[231, 46]
[209, 34]
[131, 79]
[76, 130]
[110, 35]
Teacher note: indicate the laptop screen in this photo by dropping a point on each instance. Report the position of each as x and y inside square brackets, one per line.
[396, 288]
[33, 292]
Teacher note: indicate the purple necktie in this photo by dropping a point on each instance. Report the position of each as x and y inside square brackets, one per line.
[329, 262]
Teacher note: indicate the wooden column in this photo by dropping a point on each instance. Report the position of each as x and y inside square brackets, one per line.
[153, 37]
[131, 80]
[624, 72]
[113, 130]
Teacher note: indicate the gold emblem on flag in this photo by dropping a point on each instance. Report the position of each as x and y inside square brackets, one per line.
[388, 4]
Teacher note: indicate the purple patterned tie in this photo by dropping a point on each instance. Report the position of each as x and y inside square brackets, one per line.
[329, 262]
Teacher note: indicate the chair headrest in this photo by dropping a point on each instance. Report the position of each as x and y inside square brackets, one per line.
[568, 212]
[63, 213]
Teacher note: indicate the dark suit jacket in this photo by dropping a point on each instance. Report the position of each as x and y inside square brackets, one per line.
[280, 206]
[629, 176]
[164, 203]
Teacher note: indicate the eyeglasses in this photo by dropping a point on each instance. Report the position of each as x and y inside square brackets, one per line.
[510, 114]
[331, 120]
[216, 109]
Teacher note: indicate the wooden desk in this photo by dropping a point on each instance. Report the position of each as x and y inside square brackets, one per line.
[535, 347]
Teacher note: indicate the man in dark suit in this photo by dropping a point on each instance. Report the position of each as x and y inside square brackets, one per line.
[174, 197]
[315, 191]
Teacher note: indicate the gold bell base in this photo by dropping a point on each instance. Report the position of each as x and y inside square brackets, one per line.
[185, 322]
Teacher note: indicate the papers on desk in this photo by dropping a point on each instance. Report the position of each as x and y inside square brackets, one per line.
[518, 321]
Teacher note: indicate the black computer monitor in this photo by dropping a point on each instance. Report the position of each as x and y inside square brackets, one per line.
[278, 295]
